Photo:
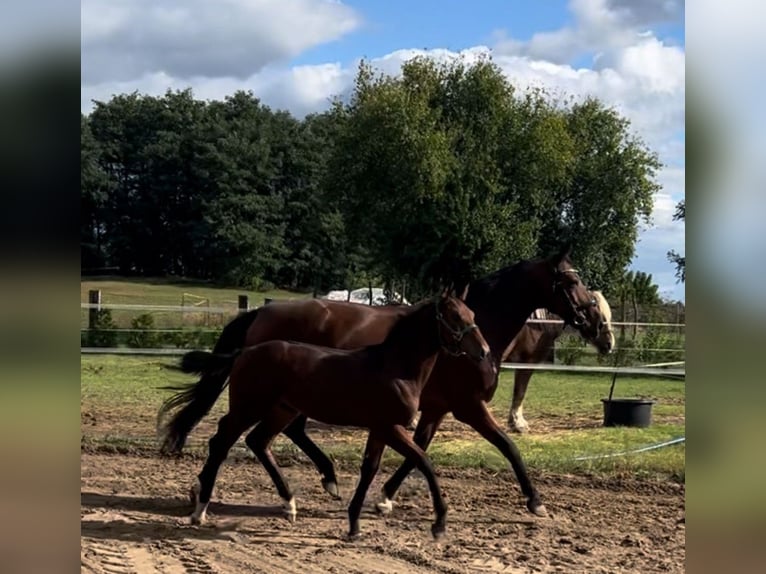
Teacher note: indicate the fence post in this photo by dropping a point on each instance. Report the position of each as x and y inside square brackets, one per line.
[242, 304]
[94, 298]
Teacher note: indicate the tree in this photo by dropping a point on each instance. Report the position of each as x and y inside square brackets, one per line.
[418, 172]
[675, 258]
[449, 173]
[608, 193]
[95, 187]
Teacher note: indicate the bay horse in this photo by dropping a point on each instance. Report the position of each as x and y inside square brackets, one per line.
[534, 344]
[501, 301]
[376, 387]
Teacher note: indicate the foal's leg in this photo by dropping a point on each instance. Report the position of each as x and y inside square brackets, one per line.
[296, 432]
[259, 440]
[427, 426]
[516, 421]
[370, 465]
[398, 439]
[476, 415]
[230, 428]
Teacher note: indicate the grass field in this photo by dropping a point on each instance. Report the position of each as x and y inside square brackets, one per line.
[120, 397]
[137, 291]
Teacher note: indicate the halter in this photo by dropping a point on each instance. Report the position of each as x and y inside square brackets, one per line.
[577, 310]
[457, 334]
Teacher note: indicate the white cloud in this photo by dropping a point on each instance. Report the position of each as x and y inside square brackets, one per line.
[125, 40]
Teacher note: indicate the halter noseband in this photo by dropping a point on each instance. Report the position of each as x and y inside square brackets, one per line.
[457, 334]
[577, 310]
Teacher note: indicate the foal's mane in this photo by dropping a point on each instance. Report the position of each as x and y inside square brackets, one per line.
[405, 323]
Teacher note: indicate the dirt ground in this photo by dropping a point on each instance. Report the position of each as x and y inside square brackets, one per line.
[134, 520]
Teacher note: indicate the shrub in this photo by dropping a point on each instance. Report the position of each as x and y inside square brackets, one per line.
[103, 333]
[143, 335]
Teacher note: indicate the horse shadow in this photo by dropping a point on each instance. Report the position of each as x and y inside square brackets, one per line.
[118, 517]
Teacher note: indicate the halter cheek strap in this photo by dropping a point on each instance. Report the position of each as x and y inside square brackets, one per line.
[457, 334]
[577, 310]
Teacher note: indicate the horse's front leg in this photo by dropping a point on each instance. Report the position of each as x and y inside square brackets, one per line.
[427, 426]
[370, 465]
[398, 439]
[296, 432]
[475, 414]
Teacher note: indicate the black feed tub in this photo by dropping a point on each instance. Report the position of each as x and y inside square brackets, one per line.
[627, 412]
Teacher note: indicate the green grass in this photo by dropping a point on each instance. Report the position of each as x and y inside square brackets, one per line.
[564, 411]
[173, 292]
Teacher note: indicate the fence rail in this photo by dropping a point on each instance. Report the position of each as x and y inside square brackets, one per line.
[652, 370]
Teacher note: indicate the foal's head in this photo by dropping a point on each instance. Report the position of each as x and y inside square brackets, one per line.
[458, 333]
[570, 299]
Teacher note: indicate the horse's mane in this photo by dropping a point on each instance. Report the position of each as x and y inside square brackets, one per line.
[603, 306]
[487, 284]
[404, 322]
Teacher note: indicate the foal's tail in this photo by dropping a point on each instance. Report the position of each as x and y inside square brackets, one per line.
[193, 401]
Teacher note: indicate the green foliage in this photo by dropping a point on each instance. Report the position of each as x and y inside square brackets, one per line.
[439, 175]
[675, 258]
[570, 349]
[103, 332]
[142, 335]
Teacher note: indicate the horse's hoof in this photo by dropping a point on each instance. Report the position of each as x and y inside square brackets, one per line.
[438, 530]
[197, 520]
[331, 488]
[516, 427]
[290, 510]
[354, 535]
[385, 507]
[538, 509]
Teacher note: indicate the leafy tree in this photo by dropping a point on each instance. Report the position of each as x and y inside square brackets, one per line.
[95, 187]
[608, 193]
[675, 258]
[418, 177]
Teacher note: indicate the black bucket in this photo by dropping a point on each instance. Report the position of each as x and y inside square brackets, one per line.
[627, 412]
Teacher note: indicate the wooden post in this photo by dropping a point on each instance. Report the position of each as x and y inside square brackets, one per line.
[94, 298]
[242, 304]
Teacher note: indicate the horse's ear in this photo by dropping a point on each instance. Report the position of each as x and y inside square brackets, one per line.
[563, 254]
[464, 293]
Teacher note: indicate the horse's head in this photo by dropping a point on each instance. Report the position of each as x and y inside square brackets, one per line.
[570, 299]
[604, 342]
[458, 333]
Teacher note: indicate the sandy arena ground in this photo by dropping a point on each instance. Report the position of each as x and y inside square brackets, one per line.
[134, 520]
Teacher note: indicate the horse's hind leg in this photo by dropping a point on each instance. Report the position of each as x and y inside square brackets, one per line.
[399, 440]
[516, 421]
[296, 432]
[229, 430]
[427, 426]
[370, 465]
[259, 441]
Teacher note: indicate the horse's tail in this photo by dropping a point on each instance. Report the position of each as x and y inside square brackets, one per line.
[193, 401]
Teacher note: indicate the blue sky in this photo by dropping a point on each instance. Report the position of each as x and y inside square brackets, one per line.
[453, 24]
[298, 54]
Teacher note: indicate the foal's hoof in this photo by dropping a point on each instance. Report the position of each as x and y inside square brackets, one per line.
[354, 535]
[537, 508]
[290, 510]
[197, 520]
[385, 507]
[331, 488]
[438, 531]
